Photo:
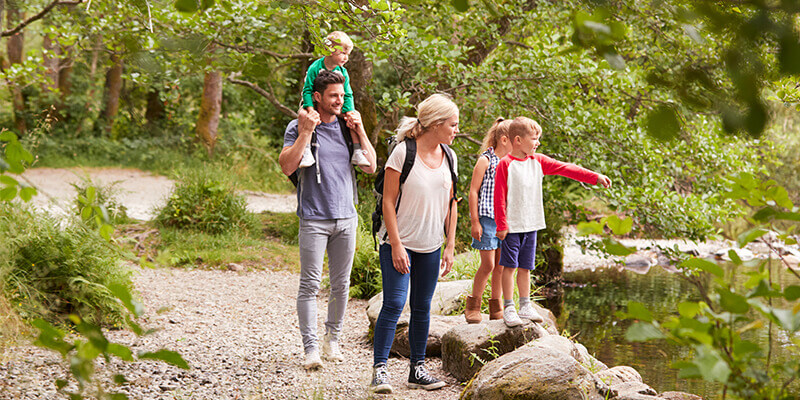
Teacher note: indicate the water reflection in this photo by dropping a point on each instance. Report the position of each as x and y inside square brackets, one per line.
[587, 310]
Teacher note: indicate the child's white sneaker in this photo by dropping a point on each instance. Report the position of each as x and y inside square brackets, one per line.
[308, 158]
[359, 158]
[312, 361]
[528, 312]
[511, 318]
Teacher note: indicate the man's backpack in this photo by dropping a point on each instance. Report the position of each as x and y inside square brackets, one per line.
[408, 163]
[294, 177]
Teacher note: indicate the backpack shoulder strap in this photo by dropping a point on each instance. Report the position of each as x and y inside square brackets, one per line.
[448, 155]
[346, 134]
[408, 163]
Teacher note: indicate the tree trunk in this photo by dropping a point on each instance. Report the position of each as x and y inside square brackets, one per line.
[14, 48]
[360, 70]
[111, 93]
[50, 59]
[155, 107]
[64, 76]
[208, 120]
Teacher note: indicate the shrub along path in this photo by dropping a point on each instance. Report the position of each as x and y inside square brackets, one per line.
[140, 192]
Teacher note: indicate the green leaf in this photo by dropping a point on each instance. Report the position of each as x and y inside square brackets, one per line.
[704, 265]
[186, 6]
[120, 351]
[8, 181]
[749, 236]
[167, 356]
[106, 231]
[791, 293]
[638, 311]
[120, 379]
[711, 365]
[590, 228]
[27, 193]
[60, 383]
[124, 295]
[8, 193]
[461, 5]
[206, 4]
[118, 396]
[91, 194]
[688, 309]
[619, 226]
[615, 248]
[642, 332]
[7, 136]
[50, 337]
[732, 302]
[663, 123]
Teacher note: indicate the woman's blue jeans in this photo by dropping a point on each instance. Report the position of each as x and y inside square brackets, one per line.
[422, 281]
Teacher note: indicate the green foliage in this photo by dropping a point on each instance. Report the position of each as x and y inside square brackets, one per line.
[14, 158]
[97, 206]
[203, 203]
[720, 327]
[365, 277]
[48, 270]
[90, 343]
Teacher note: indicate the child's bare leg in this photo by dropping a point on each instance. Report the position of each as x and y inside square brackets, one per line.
[497, 275]
[483, 272]
[508, 283]
[524, 283]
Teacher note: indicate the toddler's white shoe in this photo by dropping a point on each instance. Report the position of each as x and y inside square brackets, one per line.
[308, 158]
[359, 158]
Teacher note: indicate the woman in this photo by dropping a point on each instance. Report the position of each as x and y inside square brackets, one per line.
[413, 232]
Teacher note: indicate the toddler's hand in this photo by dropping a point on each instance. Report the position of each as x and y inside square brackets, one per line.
[604, 180]
[502, 234]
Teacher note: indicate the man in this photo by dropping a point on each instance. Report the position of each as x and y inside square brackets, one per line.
[325, 205]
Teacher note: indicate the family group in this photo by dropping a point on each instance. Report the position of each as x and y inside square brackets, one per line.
[417, 232]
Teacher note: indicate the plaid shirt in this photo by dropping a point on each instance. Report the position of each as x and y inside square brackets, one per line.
[486, 194]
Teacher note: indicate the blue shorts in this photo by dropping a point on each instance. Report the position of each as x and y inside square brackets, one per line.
[488, 239]
[519, 250]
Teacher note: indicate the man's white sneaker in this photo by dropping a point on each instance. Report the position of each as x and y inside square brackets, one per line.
[359, 158]
[331, 350]
[308, 158]
[528, 312]
[312, 361]
[510, 317]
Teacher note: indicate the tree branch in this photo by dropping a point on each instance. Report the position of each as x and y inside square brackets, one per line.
[271, 97]
[251, 49]
[40, 15]
[468, 137]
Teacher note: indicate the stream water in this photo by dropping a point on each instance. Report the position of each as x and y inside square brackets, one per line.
[591, 299]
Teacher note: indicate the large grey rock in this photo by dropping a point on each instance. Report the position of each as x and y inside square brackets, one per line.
[678, 396]
[536, 371]
[619, 374]
[440, 324]
[633, 391]
[463, 345]
[588, 360]
[446, 299]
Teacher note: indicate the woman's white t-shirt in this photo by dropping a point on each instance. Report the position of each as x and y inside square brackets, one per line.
[423, 204]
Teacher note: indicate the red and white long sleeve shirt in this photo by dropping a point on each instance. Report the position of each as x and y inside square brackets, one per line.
[518, 203]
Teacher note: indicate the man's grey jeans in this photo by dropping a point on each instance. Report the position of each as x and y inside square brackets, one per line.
[338, 237]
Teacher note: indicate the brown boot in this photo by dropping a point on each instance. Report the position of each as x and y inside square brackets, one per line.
[473, 311]
[495, 308]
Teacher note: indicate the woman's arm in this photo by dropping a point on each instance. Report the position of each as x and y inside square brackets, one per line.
[449, 250]
[474, 192]
[391, 188]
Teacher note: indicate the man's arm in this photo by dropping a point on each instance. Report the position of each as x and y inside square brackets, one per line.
[290, 156]
[355, 123]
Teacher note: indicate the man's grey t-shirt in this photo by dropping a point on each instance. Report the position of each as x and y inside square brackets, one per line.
[333, 197]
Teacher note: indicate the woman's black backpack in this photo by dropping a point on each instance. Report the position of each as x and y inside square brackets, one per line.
[408, 163]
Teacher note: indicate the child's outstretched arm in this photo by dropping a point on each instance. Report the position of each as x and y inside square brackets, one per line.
[474, 200]
[552, 166]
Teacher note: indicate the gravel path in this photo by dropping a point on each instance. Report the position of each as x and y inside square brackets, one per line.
[239, 333]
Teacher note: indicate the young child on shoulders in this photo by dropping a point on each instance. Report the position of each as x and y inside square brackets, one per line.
[519, 211]
[481, 211]
[340, 46]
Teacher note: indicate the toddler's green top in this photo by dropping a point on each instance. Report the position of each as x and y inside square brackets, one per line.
[308, 86]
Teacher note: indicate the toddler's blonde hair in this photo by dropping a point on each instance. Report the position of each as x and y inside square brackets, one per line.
[338, 40]
[498, 130]
[433, 111]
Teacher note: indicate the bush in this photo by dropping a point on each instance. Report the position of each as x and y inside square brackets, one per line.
[200, 202]
[48, 271]
[365, 278]
[92, 194]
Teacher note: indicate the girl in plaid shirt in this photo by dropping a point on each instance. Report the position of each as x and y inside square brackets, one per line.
[481, 211]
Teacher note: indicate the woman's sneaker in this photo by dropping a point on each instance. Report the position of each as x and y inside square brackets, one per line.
[510, 317]
[419, 378]
[308, 158]
[380, 380]
[528, 312]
